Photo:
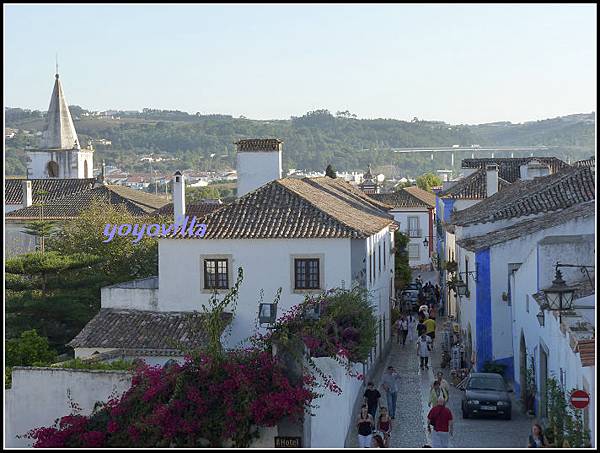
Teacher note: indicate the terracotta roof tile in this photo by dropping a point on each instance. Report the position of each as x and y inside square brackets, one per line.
[521, 229]
[473, 187]
[191, 209]
[509, 168]
[137, 329]
[259, 144]
[587, 352]
[56, 188]
[70, 206]
[561, 190]
[299, 208]
[405, 198]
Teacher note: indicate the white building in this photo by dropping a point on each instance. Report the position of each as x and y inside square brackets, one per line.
[303, 235]
[562, 350]
[60, 154]
[414, 210]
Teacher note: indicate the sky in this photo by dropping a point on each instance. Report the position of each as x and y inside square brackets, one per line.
[463, 64]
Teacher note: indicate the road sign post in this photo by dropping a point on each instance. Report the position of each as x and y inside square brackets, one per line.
[579, 399]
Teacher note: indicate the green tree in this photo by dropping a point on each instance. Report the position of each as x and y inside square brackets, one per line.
[329, 171]
[29, 349]
[198, 194]
[402, 270]
[428, 180]
[53, 293]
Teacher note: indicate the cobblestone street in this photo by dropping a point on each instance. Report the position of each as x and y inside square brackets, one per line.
[409, 427]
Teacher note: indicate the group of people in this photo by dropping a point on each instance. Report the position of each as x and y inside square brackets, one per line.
[378, 434]
[421, 328]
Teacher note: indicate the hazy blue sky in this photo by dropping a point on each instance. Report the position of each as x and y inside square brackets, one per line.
[460, 64]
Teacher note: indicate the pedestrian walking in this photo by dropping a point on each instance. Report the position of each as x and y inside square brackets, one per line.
[440, 417]
[421, 328]
[412, 328]
[365, 428]
[371, 399]
[384, 426]
[419, 282]
[443, 384]
[402, 326]
[537, 438]
[377, 440]
[436, 393]
[438, 293]
[390, 385]
[423, 350]
[433, 312]
[430, 330]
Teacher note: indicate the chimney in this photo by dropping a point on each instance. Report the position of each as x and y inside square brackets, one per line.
[27, 194]
[179, 196]
[258, 163]
[491, 179]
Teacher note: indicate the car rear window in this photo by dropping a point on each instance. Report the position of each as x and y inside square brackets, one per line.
[486, 383]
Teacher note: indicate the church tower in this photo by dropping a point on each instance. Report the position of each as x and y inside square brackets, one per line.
[60, 155]
[369, 184]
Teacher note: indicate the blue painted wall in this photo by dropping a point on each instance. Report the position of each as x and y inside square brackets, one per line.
[483, 308]
[448, 205]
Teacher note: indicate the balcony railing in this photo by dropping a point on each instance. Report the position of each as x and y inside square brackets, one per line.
[413, 232]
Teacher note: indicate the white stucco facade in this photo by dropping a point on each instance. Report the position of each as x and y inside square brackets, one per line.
[69, 163]
[419, 227]
[255, 169]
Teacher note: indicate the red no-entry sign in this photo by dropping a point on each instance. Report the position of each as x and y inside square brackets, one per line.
[579, 399]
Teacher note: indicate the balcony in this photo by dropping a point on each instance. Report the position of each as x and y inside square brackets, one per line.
[413, 232]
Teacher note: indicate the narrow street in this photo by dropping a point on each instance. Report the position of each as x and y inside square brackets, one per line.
[409, 427]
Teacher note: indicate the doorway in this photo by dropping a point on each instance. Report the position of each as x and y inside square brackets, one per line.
[523, 367]
[543, 382]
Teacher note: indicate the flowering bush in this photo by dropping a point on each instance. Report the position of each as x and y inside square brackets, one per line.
[198, 403]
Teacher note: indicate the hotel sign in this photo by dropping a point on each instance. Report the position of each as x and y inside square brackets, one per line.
[288, 442]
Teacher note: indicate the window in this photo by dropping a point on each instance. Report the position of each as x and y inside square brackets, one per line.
[306, 273]
[413, 251]
[379, 252]
[384, 254]
[413, 227]
[85, 169]
[216, 274]
[527, 303]
[52, 169]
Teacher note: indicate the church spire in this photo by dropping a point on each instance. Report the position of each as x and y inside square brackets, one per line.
[60, 131]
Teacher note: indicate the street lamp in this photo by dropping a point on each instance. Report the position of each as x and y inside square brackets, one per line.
[425, 242]
[559, 296]
[461, 287]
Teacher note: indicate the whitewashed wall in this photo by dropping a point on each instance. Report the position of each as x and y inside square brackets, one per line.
[267, 264]
[561, 355]
[401, 216]
[16, 241]
[255, 169]
[334, 416]
[41, 395]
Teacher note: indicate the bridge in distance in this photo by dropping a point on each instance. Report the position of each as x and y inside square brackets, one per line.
[475, 149]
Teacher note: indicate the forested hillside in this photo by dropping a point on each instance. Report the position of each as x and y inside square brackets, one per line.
[310, 141]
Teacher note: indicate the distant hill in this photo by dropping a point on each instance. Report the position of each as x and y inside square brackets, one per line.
[311, 141]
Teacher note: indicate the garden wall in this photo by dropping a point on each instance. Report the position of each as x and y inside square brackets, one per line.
[329, 425]
[41, 395]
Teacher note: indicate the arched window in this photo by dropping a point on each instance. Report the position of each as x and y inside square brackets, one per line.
[52, 169]
[85, 169]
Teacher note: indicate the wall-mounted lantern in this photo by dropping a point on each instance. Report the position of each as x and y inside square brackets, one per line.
[559, 296]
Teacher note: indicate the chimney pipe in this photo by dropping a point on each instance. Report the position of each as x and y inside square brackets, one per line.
[179, 196]
[27, 194]
[491, 182]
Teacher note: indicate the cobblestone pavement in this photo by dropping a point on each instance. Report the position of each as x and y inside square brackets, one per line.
[409, 427]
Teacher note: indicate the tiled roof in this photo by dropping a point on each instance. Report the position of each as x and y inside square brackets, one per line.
[404, 198]
[191, 209]
[56, 188]
[473, 187]
[591, 162]
[509, 167]
[587, 352]
[427, 197]
[566, 188]
[259, 144]
[138, 329]
[521, 229]
[299, 208]
[136, 202]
